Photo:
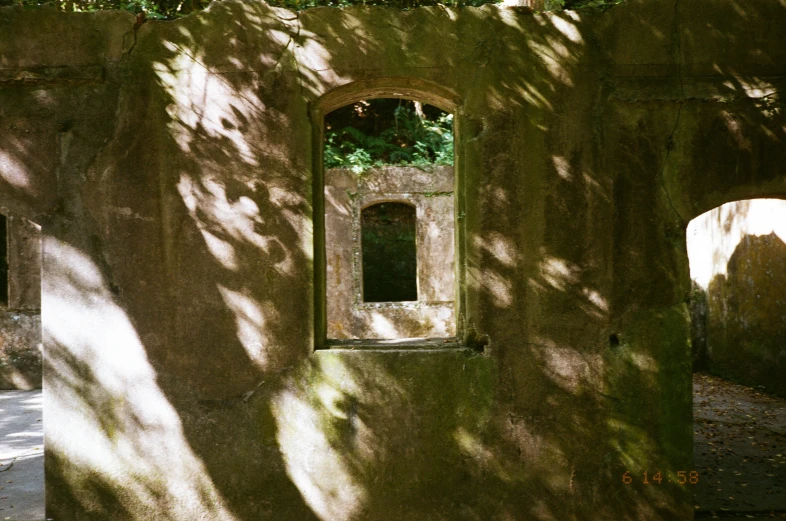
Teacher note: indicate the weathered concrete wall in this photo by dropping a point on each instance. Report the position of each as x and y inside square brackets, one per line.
[20, 320]
[24, 264]
[54, 102]
[173, 169]
[738, 262]
[20, 349]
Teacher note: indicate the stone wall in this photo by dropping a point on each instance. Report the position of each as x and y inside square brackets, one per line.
[20, 319]
[175, 169]
[738, 262]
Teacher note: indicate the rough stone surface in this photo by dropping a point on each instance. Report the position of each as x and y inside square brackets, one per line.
[173, 170]
[20, 350]
[20, 321]
[747, 315]
[24, 264]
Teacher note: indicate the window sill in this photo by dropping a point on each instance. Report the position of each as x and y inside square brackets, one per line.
[408, 344]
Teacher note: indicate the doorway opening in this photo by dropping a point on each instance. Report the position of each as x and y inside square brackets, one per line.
[737, 255]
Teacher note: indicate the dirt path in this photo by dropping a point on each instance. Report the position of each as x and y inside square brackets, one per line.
[739, 450]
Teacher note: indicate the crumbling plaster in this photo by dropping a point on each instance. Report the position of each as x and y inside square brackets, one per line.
[171, 167]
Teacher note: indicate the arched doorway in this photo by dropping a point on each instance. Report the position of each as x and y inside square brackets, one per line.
[737, 254]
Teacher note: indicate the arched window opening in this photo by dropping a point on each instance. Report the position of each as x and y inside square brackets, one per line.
[390, 222]
[737, 255]
[389, 253]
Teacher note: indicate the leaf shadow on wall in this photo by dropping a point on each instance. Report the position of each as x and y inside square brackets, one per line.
[542, 426]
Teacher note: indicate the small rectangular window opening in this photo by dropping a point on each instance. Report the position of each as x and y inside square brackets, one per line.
[389, 253]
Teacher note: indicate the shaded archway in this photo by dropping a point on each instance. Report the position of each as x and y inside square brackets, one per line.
[737, 255]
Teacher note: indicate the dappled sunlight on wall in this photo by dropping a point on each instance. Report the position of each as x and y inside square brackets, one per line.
[13, 171]
[573, 371]
[236, 192]
[308, 423]
[251, 320]
[115, 444]
[579, 137]
[27, 171]
[553, 44]
[365, 433]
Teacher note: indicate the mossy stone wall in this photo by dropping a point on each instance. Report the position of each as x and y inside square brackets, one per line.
[174, 168]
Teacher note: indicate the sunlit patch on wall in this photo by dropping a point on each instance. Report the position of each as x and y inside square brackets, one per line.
[105, 411]
[319, 470]
[13, 171]
[569, 368]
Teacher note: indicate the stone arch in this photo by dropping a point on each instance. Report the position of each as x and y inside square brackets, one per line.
[392, 87]
[383, 200]
[737, 254]
[723, 153]
[743, 192]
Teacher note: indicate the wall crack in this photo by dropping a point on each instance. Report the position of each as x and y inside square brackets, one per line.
[670, 146]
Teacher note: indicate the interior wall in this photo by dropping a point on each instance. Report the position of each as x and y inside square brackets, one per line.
[171, 166]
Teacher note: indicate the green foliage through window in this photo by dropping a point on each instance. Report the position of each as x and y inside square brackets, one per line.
[152, 9]
[376, 132]
[581, 4]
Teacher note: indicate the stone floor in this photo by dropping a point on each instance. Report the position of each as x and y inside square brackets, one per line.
[21, 456]
[739, 450]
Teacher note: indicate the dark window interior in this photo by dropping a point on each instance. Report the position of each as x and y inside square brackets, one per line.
[389, 253]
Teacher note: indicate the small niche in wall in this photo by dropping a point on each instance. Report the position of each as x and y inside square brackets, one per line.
[389, 253]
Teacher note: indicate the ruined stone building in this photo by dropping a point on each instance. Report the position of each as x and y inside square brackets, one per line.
[194, 364]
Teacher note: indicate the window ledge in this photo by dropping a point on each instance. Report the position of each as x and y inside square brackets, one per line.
[407, 344]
